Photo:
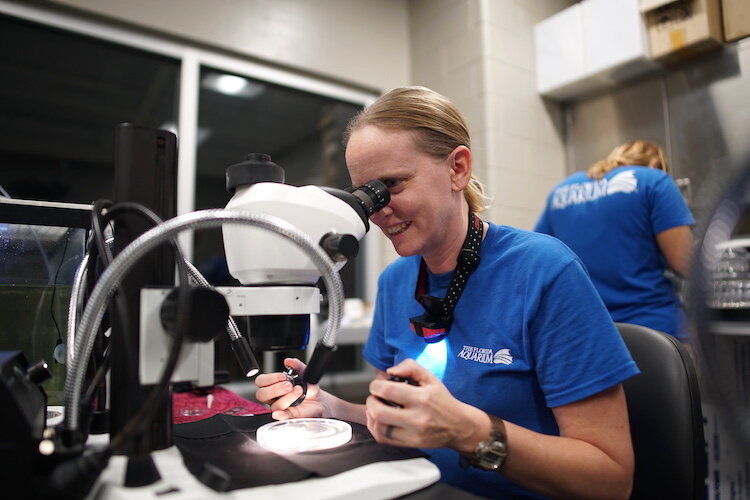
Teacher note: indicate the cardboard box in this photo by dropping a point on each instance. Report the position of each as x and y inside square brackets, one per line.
[736, 15]
[683, 27]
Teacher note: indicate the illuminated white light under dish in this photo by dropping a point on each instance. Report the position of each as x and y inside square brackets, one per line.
[303, 434]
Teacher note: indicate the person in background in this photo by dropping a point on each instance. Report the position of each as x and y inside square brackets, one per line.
[517, 365]
[628, 222]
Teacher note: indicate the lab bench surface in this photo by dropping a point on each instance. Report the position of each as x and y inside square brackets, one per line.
[440, 491]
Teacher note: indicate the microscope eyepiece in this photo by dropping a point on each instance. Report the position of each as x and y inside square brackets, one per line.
[365, 200]
[372, 196]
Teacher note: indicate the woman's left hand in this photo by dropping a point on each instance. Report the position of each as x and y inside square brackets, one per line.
[428, 416]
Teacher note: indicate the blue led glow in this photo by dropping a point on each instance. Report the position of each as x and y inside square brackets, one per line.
[434, 357]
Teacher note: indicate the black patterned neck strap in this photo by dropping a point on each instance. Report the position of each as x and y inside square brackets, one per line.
[436, 322]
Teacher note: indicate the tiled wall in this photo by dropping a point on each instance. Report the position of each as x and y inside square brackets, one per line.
[359, 42]
[480, 53]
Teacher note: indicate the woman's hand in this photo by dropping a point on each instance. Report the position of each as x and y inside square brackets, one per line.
[428, 416]
[276, 390]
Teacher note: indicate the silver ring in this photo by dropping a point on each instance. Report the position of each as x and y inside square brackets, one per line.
[389, 432]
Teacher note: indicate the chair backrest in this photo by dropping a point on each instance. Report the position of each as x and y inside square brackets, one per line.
[666, 421]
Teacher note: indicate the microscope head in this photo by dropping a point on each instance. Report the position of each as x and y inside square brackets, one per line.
[336, 218]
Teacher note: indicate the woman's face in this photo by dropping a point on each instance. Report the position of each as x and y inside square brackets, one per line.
[423, 197]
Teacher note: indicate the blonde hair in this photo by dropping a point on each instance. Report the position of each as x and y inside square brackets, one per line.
[638, 152]
[438, 125]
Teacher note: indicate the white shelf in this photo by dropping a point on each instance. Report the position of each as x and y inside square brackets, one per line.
[593, 44]
[734, 328]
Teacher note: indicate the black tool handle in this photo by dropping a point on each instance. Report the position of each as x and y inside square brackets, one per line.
[296, 379]
[396, 378]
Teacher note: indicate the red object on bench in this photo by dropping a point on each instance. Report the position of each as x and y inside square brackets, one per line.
[194, 405]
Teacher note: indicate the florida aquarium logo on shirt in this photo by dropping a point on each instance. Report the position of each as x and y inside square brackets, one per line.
[582, 192]
[484, 355]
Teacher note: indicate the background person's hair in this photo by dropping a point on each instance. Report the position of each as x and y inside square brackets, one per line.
[638, 152]
[438, 125]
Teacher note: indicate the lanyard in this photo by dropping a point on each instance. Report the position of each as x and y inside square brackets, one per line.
[435, 323]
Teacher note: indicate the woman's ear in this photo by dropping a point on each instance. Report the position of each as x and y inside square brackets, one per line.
[461, 168]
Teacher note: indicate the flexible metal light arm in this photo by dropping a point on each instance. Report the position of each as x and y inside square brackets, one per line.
[76, 299]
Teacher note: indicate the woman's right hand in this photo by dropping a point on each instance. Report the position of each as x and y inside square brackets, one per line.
[276, 390]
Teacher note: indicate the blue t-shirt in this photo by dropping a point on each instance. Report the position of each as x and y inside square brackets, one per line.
[611, 224]
[530, 333]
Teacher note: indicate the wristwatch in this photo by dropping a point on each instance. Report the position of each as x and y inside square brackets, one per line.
[490, 453]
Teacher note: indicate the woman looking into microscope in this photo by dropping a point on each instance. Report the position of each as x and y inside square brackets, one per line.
[526, 400]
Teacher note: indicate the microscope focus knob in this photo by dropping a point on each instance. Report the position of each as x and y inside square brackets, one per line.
[340, 247]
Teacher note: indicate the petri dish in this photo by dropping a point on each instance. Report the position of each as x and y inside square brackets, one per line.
[303, 434]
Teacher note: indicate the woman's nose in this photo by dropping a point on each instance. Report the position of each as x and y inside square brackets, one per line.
[381, 214]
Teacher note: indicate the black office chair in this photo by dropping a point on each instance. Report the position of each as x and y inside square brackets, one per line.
[666, 421]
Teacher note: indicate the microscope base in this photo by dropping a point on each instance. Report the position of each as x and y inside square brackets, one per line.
[176, 483]
[376, 481]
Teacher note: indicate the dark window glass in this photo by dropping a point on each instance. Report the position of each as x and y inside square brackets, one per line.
[62, 96]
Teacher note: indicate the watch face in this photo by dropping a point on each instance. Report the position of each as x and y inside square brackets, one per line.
[490, 454]
[494, 456]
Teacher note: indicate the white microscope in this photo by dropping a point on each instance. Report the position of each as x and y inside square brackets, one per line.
[279, 241]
